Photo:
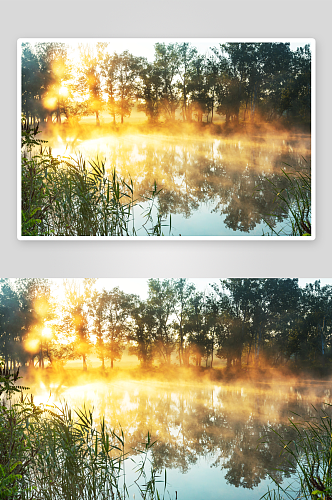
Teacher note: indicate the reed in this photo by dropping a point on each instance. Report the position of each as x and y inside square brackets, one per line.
[73, 197]
[295, 198]
[56, 453]
[309, 455]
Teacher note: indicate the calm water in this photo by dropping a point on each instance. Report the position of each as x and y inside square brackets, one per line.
[210, 186]
[207, 434]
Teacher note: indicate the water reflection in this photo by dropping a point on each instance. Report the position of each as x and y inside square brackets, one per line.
[226, 179]
[231, 427]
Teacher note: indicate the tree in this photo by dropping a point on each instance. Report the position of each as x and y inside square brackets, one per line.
[231, 63]
[89, 83]
[35, 311]
[10, 324]
[30, 89]
[149, 92]
[54, 72]
[244, 311]
[162, 302]
[185, 54]
[166, 61]
[197, 328]
[183, 294]
[110, 72]
[198, 87]
[214, 318]
[315, 334]
[76, 319]
[283, 297]
[117, 306]
[127, 67]
[294, 98]
[142, 333]
[98, 310]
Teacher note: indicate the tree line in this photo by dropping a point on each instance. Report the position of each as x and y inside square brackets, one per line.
[234, 80]
[247, 322]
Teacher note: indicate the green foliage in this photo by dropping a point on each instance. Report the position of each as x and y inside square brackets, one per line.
[12, 439]
[257, 79]
[59, 453]
[253, 321]
[8, 483]
[310, 456]
[72, 197]
[296, 199]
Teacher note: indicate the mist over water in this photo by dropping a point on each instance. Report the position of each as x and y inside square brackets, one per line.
[215, 438]
[210, 185]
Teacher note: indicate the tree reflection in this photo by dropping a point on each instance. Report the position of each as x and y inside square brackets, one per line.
[232, 176]
[235, 428]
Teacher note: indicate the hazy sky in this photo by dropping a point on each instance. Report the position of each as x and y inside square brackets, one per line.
[144, 47]
[139, 285]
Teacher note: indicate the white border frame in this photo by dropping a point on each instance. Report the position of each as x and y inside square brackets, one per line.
[300, 41]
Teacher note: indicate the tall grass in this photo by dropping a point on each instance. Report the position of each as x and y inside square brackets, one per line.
[310, 456]
[296, 199]
[72, 197]
[59, 454]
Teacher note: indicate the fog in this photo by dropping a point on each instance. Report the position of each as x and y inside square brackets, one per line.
[210, 183]
[226, 424]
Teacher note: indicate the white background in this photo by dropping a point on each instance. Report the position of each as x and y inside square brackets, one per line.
[171, 18]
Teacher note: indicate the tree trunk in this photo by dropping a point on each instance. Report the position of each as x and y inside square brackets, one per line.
[248, 355]
[181, 345]
[254, 103]
[184, 102]
[258, 343]
[85, 366]
[58, 115]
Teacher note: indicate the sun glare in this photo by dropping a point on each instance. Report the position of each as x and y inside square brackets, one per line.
[63, 91]
[32, 345]
[47, 332]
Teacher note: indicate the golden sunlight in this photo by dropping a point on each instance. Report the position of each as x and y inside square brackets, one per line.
[32, 345]
[41, 306]
[47, 332]
[50, 102]
[63, 91]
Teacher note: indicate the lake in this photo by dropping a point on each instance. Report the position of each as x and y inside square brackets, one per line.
[210, 185]
[207, 433]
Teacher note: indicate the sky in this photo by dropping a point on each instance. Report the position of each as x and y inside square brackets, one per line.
[144, 47]
[139, 286]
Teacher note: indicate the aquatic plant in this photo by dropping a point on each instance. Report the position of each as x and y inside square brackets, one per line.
[73, 197]
[296, 199]
[53, 453]
[310, 456]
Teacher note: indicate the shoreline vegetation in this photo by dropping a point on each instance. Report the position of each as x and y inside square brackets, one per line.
[309, 455]
[52, 453]
[246, 322]
[64, 196]
[238, 81]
